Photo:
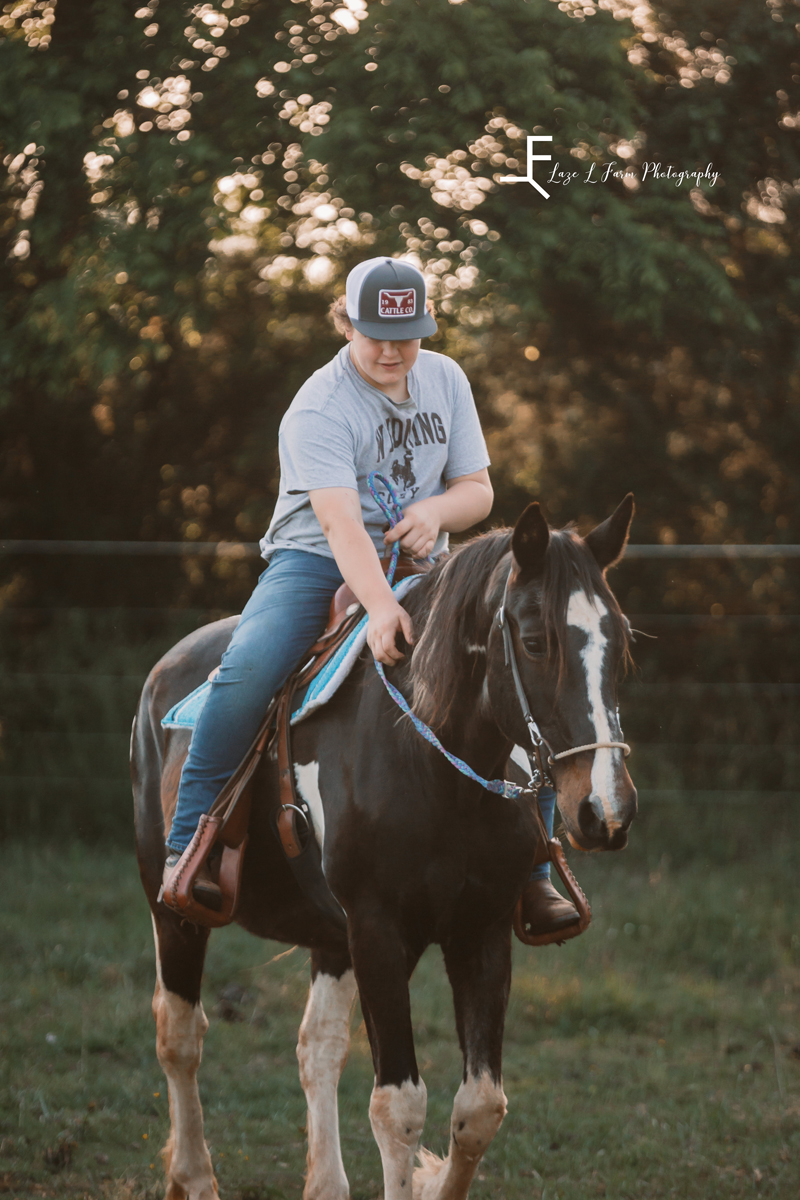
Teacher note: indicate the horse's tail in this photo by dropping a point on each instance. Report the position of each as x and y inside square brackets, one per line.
[146, 764]
[156, 754]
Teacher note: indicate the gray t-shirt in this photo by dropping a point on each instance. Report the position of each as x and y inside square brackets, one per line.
[339, 428]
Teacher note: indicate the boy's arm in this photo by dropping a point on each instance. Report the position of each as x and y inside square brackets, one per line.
[338, 510]
[467, 501]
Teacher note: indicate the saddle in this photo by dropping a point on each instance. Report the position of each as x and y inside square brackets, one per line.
[223, 829]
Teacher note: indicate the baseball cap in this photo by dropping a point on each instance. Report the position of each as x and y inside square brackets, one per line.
[386, 299]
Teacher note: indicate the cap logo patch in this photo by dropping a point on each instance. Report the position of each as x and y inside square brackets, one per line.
[397, 302]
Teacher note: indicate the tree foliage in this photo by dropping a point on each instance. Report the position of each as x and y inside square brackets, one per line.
[186, 187]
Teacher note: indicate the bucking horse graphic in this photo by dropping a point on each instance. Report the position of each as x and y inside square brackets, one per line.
[403, 473]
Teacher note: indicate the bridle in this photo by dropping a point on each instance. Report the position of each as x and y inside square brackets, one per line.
[499, 787]
[538, 740]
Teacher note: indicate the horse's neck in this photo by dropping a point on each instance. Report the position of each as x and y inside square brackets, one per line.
[482, 744]
[470, 730]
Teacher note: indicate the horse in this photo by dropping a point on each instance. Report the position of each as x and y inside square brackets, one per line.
[415, 852]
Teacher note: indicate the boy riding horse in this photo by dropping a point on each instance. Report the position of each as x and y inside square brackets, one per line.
[379, 398]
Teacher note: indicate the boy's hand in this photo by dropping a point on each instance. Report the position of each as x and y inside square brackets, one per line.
[418, 531]
[384, 624]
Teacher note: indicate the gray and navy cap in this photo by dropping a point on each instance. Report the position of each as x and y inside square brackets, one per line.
[386, 299]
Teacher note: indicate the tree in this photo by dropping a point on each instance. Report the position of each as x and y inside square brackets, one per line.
[658, 318]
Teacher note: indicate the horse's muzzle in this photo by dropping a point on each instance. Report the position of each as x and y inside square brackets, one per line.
[603, 825]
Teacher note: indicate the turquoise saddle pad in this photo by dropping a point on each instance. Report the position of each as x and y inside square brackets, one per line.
[185, 713]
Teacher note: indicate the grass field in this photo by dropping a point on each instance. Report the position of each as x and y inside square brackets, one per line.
[656, 1056]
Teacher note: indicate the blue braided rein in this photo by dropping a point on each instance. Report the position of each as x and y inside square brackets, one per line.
[393, 514]
[499, 787]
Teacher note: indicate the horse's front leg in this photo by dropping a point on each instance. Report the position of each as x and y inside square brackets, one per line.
[322, 1052]
[180, 1027]
[382, 965]
[480, 976]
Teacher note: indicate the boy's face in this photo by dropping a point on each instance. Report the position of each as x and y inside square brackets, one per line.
[383, 364]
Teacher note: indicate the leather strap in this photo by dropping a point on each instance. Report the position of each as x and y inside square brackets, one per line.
[179, 894]
[226, 821]
[299, 843]
[286, 820]
[232, 806]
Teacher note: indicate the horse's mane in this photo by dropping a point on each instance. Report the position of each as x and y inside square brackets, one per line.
[454, 606]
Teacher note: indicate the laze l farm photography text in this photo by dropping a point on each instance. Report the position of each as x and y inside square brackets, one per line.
[634, 176]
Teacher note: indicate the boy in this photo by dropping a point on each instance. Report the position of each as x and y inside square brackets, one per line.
[381, 404]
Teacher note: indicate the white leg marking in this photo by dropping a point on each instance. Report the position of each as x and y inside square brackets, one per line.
[307, 776]
[478, 1112]
[322, 1052]
[180, 1028]
[397, 1115]
[586, 615]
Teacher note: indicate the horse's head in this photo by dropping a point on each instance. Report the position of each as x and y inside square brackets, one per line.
[570, 640]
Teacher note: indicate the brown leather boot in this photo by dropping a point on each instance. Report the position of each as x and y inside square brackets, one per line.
[544, 910]
[205, 891]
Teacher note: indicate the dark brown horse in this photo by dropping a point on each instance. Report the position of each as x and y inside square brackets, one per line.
[414, 852]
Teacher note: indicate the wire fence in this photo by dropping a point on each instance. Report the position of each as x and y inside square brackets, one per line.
[252, 550]
[712, 711]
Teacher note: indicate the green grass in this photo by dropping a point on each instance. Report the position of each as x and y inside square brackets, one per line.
[656, 1056]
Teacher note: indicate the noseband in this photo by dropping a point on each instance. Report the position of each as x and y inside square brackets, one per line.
[538, 739]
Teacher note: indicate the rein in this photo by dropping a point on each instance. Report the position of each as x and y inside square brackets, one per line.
[498, 787]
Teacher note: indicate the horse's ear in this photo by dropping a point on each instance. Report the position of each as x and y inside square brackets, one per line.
[529, 540]
[608, 540]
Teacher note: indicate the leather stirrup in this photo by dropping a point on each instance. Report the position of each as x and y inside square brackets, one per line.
[178, 894]
[555, 853]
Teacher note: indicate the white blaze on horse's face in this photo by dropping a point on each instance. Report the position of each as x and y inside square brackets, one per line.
[587, 615]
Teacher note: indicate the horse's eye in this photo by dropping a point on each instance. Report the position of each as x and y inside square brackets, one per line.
[534, 647]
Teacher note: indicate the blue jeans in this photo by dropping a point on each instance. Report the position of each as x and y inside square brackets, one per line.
[547, 807]
[284, 617]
